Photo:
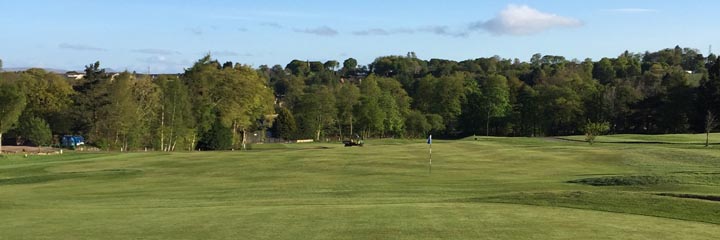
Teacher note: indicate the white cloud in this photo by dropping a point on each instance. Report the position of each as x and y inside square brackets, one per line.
[80, 47]
[524, 20]
[443, 31]
[437, 30]
[320, 31]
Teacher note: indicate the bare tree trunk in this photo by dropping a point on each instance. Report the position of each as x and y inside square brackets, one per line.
[192, 144]
[707, 139]
[117, 140]
[340, 128]
[0, 143]
[351, 125]
[125, 143]
[243, 140]
[317, 133]
[162, 129]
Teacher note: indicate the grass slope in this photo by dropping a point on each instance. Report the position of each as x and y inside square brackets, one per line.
[492, 188]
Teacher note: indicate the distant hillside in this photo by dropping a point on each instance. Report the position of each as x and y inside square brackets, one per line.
[53, 70]
[18, 69]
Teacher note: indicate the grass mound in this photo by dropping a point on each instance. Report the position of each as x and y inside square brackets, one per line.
[625, 180]
[618, 201]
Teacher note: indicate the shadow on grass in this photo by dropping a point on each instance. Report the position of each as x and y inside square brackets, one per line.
[691, 196]
[102, 174]
[626, 180]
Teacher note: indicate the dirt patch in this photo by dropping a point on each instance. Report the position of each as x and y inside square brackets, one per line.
[29, 150]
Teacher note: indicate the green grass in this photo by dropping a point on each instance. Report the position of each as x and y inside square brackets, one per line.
[490, 188]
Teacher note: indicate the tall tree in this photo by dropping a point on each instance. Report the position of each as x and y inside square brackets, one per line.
[396, 104]
[146, 97]
[112, 131]
[175, 119]
[316, 112]
[12, 103]
[394, 121]
[443, 96]
[348, 97]
[49, 97]
[201, 79]
[494, 98]
[90, 96]
[298, 67]
[285, 125]
[242, 97]
[416, 124]
[709, 90]
[369, 114]
[331, 65]
[603, 71]
[349, 67]
[472, 109]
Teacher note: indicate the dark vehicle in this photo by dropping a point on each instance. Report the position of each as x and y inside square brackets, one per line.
[356, 141]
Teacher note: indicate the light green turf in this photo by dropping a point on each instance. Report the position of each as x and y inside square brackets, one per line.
[490, 188]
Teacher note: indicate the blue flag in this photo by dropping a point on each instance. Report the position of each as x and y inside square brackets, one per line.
[429, 139]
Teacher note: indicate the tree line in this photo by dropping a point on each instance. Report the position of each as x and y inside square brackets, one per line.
[214, 105]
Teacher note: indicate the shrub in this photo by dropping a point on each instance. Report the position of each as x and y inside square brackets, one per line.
[36, 130]
[594, 129]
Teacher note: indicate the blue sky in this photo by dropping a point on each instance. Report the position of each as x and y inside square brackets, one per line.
[167, 36]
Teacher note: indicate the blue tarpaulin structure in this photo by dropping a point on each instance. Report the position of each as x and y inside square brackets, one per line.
[69, 141]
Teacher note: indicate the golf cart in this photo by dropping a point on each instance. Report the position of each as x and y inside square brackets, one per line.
[356, 141]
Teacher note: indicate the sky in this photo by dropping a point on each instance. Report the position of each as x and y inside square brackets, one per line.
[165, 36]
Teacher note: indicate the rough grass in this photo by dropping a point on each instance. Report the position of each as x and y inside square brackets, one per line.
[490, 188]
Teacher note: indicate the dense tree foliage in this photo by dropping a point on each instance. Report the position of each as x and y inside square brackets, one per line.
[285, 126]
[213, 105]
[12, 102]
[36, 131]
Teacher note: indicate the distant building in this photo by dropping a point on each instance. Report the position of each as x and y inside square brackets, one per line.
[74, 75]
